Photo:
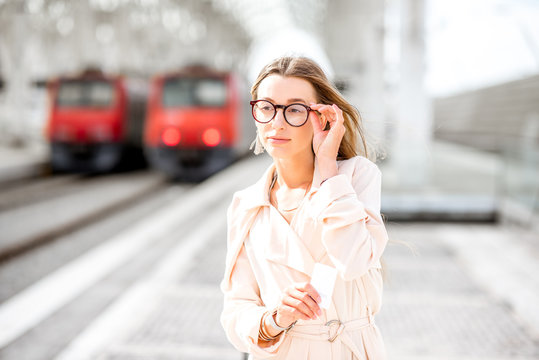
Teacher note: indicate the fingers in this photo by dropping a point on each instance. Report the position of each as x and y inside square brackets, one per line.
[326, 112]
[338, 113]
[311, 291]
[326, 143]
[334, 115]
[330, 113]
[323, 108]
[315, 121]
[301, 301]
[293, 314]
[320, 107]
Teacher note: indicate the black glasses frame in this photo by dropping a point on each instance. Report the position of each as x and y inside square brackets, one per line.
[275, 108]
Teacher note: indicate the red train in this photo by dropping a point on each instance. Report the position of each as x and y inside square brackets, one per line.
[95, 122]
[193, 124]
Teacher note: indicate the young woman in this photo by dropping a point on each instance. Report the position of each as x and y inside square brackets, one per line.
[319, 202]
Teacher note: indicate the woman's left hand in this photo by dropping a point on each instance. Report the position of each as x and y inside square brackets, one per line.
[326, 142]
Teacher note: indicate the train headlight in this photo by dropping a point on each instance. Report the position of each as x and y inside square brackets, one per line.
[211, 137]
[171, 136]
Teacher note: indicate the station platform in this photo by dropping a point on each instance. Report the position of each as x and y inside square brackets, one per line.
[459, 184]
[453, 290]
[21, 163]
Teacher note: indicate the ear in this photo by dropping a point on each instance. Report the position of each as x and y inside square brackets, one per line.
[323, 121]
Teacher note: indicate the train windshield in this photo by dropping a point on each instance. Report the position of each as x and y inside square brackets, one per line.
[180, 92]
[84, 93]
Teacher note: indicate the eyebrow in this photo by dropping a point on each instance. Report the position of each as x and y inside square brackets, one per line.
[289, 101]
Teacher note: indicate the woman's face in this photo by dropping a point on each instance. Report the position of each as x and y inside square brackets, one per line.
[280, 139]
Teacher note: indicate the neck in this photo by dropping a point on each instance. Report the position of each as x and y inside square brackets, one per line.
[295, 172]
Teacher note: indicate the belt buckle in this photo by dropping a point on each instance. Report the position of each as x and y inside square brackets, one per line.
[331, 324]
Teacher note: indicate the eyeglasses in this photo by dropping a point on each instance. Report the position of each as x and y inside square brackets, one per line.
[294, 114]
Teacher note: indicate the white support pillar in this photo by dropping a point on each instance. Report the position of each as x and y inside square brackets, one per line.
[355, 44]
[84, 48]
[413, 120]
[14, 117]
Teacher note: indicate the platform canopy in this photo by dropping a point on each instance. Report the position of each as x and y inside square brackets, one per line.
[148, 36]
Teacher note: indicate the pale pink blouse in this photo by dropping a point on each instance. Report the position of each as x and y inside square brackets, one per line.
[338, 224]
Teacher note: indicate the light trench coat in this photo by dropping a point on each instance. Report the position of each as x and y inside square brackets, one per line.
[337, 224]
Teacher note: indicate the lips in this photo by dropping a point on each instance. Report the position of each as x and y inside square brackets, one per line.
[277, 140]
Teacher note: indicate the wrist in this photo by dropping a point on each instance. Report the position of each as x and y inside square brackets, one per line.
[275, 322]
[265, 332]
[270, 330]
[279, 320]
[327, 168]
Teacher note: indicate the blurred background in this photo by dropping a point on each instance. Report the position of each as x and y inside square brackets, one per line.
[125, 129]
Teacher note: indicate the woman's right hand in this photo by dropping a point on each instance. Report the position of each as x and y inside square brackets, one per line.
[300, 301]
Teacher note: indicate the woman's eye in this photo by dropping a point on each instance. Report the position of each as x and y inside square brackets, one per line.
[296, 110]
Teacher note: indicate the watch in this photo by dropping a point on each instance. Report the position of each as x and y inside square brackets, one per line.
[274, 325]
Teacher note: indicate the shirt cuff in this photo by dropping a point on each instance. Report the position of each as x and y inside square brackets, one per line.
[264, 351]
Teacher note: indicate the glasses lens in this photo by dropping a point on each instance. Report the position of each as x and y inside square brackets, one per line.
[263, 111]
[296, 114]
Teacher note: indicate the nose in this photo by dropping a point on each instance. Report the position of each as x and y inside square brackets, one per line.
[279, 121]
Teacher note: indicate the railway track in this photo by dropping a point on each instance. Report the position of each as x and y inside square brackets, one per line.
[35, 261]
[34, 190]
[49, 294]
[42, 210]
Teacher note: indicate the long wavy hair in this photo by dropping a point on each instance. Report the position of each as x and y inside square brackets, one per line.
[353, 142]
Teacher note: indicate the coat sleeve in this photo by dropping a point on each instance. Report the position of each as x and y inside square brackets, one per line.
[348, 208]
[243, 307]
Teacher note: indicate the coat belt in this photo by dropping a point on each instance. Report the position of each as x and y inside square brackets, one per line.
[334, 331]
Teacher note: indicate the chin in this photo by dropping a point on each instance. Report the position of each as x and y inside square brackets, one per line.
[277, 152]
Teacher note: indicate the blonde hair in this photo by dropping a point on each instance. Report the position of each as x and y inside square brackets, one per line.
[307, 69]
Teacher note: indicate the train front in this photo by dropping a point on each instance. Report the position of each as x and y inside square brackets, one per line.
[192, 124]
[86, 123]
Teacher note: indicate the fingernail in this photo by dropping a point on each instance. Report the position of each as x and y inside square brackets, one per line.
[319, 312]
